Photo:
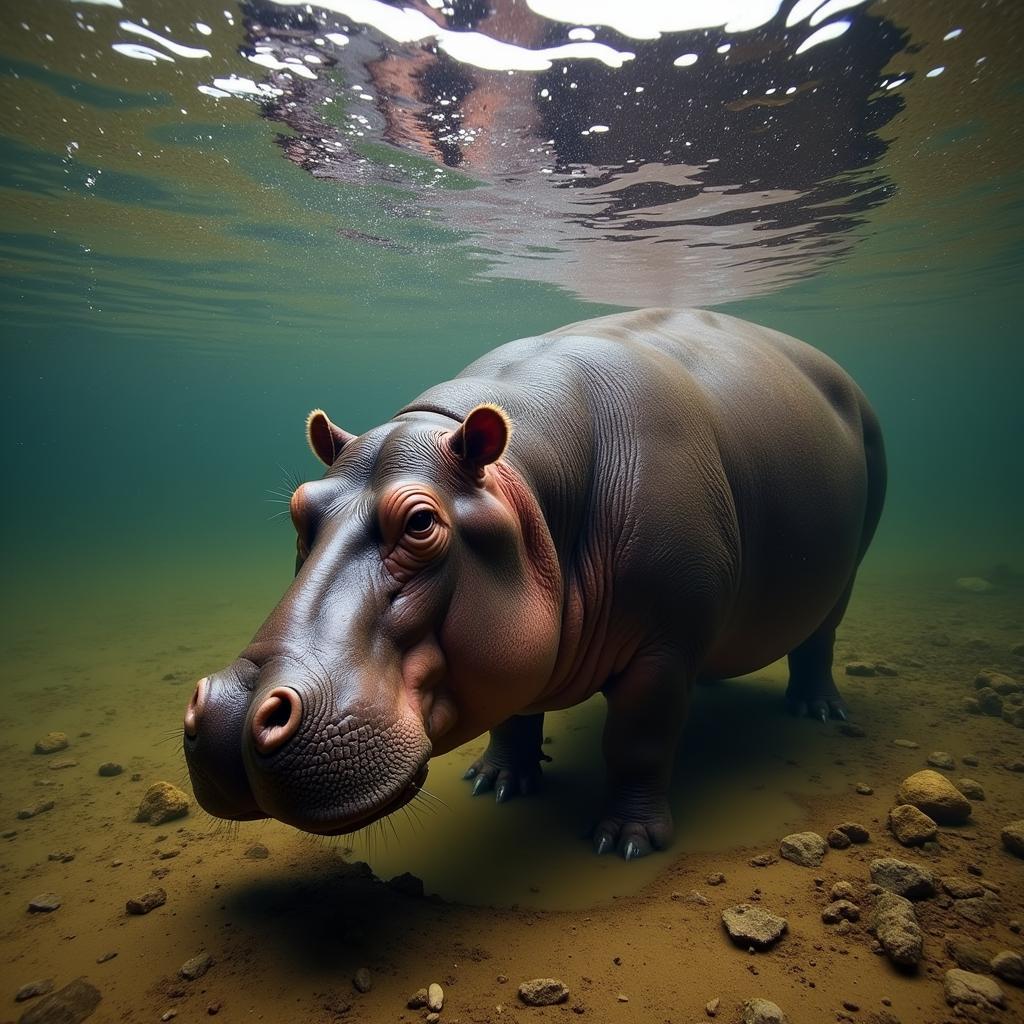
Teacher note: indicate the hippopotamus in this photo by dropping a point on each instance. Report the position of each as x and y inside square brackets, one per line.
[625, 505]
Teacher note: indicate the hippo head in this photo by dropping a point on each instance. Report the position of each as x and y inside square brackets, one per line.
[425, 609]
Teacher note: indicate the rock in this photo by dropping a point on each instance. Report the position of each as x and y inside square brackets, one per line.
[807, 849]
[1014, 715]
[895, 926]
[257, 852]
[940, 759]
[162, 802]
[71, 1004]
[910, 826]
[998, 681]
[857, 833]
[543, 992]
[104, 957]
[715, 878]
[44, 903]
[969, 955]
[418, 1000]
[109, 769]
[970, 760]
[363, 980]
[902, 878]
[432, 1018]
[906, 744]
[195, 967]
[761, 1011]
[989, 702]
[883, 668]
[838, 840]
[971, 789]
[711, 1006]
[966, 987]
[971, 705]
[753, 926]
[1012, 836]
[842, 890]
[973, 584]
[962, 888]
[435, 997]
[51, 743]
[863, 789]
[980, 911]
[33, 989]
[407, 883]
[1009, 966]
[840, 910]
[146, 902]
[62, 856]
[849, 729]
[860, 668]
[763, 860]
[58, 763]
[934, 794]
[39, 808]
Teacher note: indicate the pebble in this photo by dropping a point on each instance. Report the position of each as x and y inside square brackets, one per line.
[68, 1005]
[1012, 836]
[904, 879]
[162, 802]
[44, 903]
[717, 878]
[543, 992]
[962, 888]
[966, 987]
[860, 668]
[711, 1006]
[970, 760]
[418, 1000]
[63, 856]
[257, 852]
[362, 979]
[435, 997]
[432, 1017]
[840, 910]
[838, 840]
[849, 729]
[969, 955]
[33, 989]
[842, 890]
[910, 826]
[940, 759]
[1009, 965]
[971, 788]
[762, 1011]
[109, 769]
[1003, 684]
[51, 743]
[62, 762]
[104, 957]
[895, 926]
[863, 789]
[936, 796]
[750, 926]
[989, 702]
[906, 744]
[40, 808]
[195, 967]
[148, 901]
[807, 849]
[856, 832]
[763, 860]
[883, 668]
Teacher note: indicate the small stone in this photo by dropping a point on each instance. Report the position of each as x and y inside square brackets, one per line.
[910, 826]
[1012, 836]
[807, 849]
[980, 911]
[696, 896]
[61, 856]
[716, 878]
[970, 705]
[148, 901]
[68, 1005]
[162, 802]
[761, 1011]
[435, 997]
[856, 832]
[543, 992]
[59, 763]
[840, 910]
[849, 1004]
[883, 668]
[842, 890]
[753, 926]
[622, 998]
[966, 987]
[104, 957]
[904, 879]
[940, 759]
[257, 852]
[195, 967]
[33, 989]
[418, 1000]
[432, 1018]
[39, 808]
[973, 584]
[763, 860]
[970, 760]
[362, 979]
[1009, 966]
[854, 731]
[860, 668]
[934, 794]
[962, 888]
[51, 743]
[971, 789]
[838, 840]
[989, 702]
[906, 744]
[711, 1006]
[109, 769]
[998, 681]
[863, 789]
[895, 926]
[407, 883]
[969, 955]
[44, 903]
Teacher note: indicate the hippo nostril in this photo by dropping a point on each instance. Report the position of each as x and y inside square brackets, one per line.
[194, 711]
[276, 720]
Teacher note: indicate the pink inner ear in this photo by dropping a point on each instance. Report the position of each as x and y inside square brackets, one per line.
[485, 433]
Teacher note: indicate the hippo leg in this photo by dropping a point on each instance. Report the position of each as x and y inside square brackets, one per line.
[646, 710]
[812, 692]
[511, 763]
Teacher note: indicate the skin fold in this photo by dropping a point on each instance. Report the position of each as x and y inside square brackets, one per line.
[623, 505]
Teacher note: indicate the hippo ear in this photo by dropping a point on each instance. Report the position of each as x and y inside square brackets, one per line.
[325, 439]
[483, 436]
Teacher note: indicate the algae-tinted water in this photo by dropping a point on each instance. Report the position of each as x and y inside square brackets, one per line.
[186, 273]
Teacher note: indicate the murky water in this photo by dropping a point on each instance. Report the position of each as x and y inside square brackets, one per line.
[219, 216]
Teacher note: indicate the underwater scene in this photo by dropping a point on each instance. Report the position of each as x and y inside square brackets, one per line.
[340, 687]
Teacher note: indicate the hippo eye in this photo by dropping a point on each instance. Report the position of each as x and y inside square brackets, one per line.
[421, 522]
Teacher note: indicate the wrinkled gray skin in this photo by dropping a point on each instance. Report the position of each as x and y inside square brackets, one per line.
[682, 495]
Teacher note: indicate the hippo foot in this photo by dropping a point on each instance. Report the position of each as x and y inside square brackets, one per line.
[633, 834]
[820, 700]
[507, 782]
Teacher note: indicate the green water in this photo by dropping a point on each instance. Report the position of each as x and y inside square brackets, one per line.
[176, 295]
